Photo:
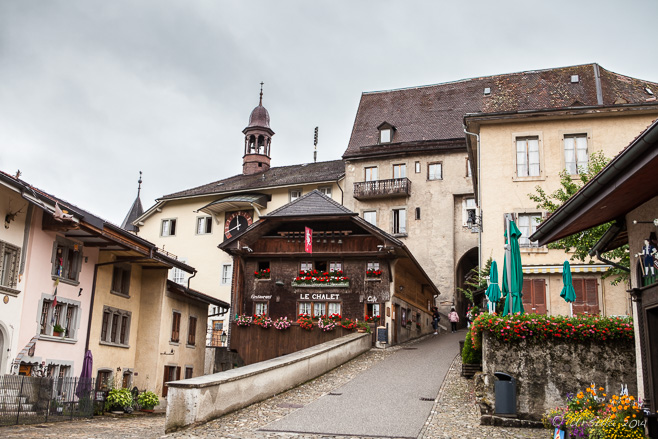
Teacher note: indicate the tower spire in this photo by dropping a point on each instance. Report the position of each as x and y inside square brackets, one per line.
[260, 102]
[139, 184]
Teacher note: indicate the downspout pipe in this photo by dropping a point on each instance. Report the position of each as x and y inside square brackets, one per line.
[190, 278]
[479, 203]
[608, 236]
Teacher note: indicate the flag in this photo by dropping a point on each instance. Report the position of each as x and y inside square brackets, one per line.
[308, 240]
[52, 321]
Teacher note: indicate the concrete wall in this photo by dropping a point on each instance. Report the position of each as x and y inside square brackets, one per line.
[198, 400]
[546, 371]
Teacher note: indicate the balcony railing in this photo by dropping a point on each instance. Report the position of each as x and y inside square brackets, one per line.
[396, 187]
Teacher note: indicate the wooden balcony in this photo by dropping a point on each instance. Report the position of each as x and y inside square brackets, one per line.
[396, 187]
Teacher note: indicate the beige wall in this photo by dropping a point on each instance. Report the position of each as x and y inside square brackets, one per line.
[438, 240]
[502, 192]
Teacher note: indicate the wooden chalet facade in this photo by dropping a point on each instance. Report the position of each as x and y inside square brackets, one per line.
[270, 256]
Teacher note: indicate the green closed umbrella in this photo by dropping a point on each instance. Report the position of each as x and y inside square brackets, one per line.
[512, 287]
[493, 290]
[567, 293]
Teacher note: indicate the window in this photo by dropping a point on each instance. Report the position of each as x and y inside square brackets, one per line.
[371, 173]
[575, 153]
[306, 266]
[587, 296]
[295, 193]
[227, 274]
[319, 309]
[528, 223]
[104, 380]
[67, 260]
[168, 227]
[400, 171]
[191, 331]
[64, 313]
[326, 190]
[263, 265]
[468, 211]
[171, 373]
[385, 135]
[260, 308]
[417, 167]
[115, 327]
[372, 309]
[417, 213]
[121, 280]
[370, 216]
[335, 266]
[469, 171]
[333, 308]
[9, 258]
[189, 372]
[175, 327]
[399, 221]
[527, 156]
[203, 225]
[304, 308]
[372, 266]
[178, 275]
[435, 171]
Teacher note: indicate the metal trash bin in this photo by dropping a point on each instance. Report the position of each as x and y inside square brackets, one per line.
[505, 391]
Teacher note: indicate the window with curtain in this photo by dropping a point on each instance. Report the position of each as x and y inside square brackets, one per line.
[527, 224]
[575, 153]
[527, 156]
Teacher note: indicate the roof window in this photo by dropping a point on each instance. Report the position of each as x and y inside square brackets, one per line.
[648, 90]
[487, 91]
[575, 79]
[386, 131]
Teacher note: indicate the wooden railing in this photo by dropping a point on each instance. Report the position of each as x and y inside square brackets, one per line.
[395, 187]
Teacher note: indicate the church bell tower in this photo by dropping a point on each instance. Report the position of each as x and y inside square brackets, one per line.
[257, 140]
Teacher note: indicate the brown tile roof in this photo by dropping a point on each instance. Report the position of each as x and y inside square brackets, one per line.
[279, 176]
[432, 115]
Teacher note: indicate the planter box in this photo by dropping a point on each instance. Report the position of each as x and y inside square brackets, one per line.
[345, 284]
[468, 370]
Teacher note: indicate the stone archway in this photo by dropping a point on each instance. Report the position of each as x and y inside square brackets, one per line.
[467, 262]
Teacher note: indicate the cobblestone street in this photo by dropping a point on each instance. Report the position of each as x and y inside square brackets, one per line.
[455, 414]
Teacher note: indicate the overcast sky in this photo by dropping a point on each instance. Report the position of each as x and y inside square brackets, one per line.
[92, 92]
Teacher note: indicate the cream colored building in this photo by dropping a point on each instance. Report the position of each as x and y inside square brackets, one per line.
[587, 109]
[193, 222]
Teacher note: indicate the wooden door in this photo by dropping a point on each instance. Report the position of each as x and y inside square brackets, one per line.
[534, 296]
[587, 296]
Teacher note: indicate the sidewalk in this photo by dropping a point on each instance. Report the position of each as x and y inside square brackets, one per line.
[371, 379]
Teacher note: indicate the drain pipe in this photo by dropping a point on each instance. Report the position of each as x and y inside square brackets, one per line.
[477, 136]
[608, 236]
[190, 278]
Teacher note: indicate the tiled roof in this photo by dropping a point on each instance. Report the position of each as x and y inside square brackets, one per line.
[279, 176]
[314, 203]
[434, 113]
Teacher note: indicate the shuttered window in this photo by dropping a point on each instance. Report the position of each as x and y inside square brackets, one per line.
[587, 296]
[534, 296]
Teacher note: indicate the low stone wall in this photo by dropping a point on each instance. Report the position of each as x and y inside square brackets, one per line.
[546, 371]
[201, 399]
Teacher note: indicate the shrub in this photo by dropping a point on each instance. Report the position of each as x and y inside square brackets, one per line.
[470, 354]
[117, 399]
[147, 400]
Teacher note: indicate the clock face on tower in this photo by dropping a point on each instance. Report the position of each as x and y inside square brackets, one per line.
[236, 223]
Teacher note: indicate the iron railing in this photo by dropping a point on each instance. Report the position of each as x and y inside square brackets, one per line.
[32, 400]
[396, 187]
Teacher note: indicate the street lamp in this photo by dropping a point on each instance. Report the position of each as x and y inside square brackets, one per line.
[223, 338]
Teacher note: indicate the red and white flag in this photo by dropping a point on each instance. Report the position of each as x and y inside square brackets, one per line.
[308, 240]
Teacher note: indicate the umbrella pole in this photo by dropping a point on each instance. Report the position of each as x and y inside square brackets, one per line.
[508, 254]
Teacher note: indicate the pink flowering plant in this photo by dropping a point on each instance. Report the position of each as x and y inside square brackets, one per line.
[327, 324]
[262, 320]
[315, 277]
[282, 323]
[542, 327]
[244, 320]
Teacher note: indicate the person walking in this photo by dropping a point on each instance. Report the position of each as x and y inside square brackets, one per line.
[435, 319]
[454, 318]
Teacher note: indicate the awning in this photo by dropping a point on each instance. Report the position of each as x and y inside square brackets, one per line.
[575, 268]
[235, 202]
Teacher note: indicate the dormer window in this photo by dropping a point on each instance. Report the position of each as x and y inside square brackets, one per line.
[386, 132]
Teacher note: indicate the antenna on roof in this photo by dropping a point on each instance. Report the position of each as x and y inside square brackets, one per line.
[315, 145]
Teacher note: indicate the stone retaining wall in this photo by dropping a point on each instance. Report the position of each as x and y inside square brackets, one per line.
[546, 371]
[201, 399]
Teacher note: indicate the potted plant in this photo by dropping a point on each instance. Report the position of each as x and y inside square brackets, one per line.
[118, 400]
[147, 401]
[244, 320]
[362, 327]
[305, 322]
[471, 357]
[58, 330]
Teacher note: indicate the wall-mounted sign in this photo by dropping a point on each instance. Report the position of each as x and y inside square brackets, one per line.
[256, 297]
[372, 299]
[319, 296]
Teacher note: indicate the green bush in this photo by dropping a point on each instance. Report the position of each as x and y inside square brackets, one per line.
[147, 400]
[117, 399]
[470, 355]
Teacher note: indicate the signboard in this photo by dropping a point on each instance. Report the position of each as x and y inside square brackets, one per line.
[382, 334]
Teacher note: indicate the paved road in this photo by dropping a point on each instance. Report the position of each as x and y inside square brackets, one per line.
[392, 399]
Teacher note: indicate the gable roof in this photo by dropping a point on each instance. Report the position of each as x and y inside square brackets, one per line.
[315, 203]
[320, 172]
[434, 113]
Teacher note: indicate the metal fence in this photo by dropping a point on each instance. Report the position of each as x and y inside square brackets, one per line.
[32, 400]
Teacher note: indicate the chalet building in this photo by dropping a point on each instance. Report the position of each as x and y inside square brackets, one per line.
[528, 128]
[276, 274]
[87, 285]
[625, 193]
[192, 222]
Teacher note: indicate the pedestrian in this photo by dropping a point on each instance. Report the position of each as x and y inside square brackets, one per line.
[454, 318]
[435, 319]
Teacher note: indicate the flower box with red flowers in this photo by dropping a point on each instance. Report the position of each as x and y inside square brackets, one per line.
[373, 274]
[373, 319]
[262, 274]
[314, 278]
